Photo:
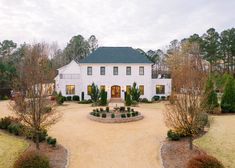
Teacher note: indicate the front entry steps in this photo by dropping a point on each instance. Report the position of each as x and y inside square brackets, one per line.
[116, 102]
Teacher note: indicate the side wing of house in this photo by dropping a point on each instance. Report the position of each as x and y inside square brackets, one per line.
[68, 81]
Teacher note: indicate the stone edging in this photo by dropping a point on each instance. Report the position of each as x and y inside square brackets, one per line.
[115, 120]
[67, 159]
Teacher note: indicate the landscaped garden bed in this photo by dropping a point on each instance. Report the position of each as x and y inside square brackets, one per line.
[116, 115]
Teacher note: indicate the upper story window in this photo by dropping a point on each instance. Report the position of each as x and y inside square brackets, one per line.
[89, 70]
[115, 70]
[128, 70]
[102, 70]
[141, 70]
[69, 76]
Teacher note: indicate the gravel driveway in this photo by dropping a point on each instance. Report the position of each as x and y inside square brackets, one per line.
[99, 145]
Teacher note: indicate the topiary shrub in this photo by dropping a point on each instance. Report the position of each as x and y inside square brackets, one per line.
[163, 97]
[51, 141]
[128, 100]
[101, 109]
[204, 161]
[228, 98]
[145, 100]
[107, 109]
[112, 115]
[103, 98]
[128, 115]
[32, 160]
[128, 109]
[123, 115]
[122, 109]
[68, 98]
[76, 98]
[135, 92]
[103, 115]
[173, 136]
[156, 98]
[133, 114]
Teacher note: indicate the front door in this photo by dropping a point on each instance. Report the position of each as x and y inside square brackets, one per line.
[115, 91]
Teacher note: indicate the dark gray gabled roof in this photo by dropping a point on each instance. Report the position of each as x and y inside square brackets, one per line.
[116, 55]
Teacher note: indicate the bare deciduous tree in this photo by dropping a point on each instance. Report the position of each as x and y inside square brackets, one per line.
[32, 105]
[188, 75]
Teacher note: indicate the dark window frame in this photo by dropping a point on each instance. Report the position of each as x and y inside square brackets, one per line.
[102, 70]
[128, 72]
[89, 70]
[140, 71]
[115, 72]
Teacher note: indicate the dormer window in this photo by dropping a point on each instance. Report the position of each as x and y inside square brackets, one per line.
[115, 70]
[89, 70]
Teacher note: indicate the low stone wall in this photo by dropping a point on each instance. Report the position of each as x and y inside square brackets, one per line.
[115, 120]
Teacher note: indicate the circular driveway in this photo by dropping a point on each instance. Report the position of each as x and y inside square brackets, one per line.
[101, 145]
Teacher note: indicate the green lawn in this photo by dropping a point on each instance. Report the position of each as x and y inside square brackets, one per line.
[10, 148]
[220, 140]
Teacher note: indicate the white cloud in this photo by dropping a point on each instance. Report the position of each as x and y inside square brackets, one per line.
[144, 24]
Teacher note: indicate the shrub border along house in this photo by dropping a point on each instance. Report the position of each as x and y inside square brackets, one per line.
[117, 115]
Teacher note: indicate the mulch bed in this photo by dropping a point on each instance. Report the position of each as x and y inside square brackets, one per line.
[57, 155]
[176, 154]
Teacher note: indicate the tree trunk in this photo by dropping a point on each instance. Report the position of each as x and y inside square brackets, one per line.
[37, 141]
[190, 142]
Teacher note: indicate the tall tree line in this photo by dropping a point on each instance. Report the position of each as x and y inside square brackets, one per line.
[216, 48]
[12, 55]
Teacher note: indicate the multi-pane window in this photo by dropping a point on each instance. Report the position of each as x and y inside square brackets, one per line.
[160, 89]
[69, 76]
[102, 87]
[89, 70]
[102, 70]
[141, 70]
[128, 89]
[70, 89]
[141, 87]
[115, 70]
[128, 70]
[89, 89]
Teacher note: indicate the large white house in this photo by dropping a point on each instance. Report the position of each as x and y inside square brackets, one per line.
[113, 68]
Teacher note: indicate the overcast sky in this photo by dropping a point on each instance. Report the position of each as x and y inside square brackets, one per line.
[146, 24]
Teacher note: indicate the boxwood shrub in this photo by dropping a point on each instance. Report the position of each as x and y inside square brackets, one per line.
[112, 115]
[76, 98]
[123, 115]
[103, 115]
[173, 136]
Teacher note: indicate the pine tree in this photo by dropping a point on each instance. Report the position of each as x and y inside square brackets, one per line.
[228, 98]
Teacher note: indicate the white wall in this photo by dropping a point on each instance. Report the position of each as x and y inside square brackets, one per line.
[109, 79]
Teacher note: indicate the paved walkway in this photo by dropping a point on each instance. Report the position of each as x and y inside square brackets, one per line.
[99, 145]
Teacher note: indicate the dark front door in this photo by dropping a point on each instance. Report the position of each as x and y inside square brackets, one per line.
[115, 91]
